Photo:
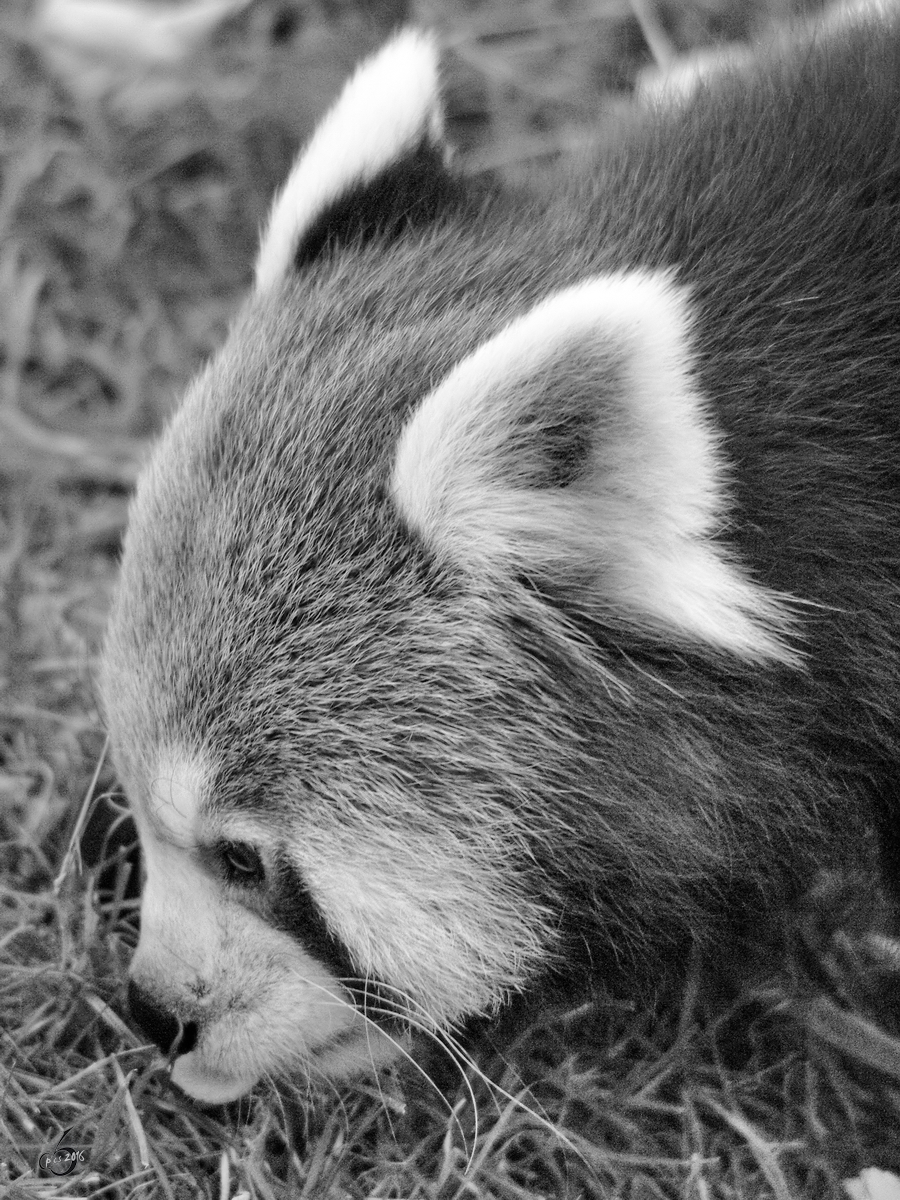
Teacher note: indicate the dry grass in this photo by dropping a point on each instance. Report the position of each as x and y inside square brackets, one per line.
[128, 207]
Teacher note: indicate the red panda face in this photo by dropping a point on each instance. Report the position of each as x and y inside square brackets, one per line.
[479, 618]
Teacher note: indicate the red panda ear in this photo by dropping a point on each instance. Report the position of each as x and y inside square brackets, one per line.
[377, 158]
[574, 449]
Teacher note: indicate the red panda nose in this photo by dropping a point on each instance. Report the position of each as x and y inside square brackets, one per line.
[171, 1035]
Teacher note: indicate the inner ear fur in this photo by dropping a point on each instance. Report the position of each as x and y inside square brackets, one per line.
[574, 449]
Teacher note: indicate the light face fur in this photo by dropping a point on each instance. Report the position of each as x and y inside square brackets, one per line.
[512, 603]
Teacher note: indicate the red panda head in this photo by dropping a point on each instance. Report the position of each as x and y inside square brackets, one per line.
[433, 674]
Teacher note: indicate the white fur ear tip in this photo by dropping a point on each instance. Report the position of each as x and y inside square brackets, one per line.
[413, 46]
[644, 302]
[408, 65]
[386, 109]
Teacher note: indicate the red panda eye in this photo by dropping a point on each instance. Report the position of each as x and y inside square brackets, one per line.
[242, 863]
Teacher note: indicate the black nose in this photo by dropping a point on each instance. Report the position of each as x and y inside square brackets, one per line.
[172, 1037]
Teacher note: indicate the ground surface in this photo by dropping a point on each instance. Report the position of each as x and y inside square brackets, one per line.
[130, 191]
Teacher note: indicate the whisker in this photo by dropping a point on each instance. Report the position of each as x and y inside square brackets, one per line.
[446, 1040]
[412, 1022]
[441, 1037]
[457, 1053]
[368, 1026]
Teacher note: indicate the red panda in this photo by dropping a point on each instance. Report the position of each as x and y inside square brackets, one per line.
[512, 603]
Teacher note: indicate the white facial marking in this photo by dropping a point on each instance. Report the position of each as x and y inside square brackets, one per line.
[469, 936]
[263, 1005]
[176, 791]
[386, 108]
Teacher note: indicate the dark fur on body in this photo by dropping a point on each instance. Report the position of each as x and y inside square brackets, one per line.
[647, 791]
